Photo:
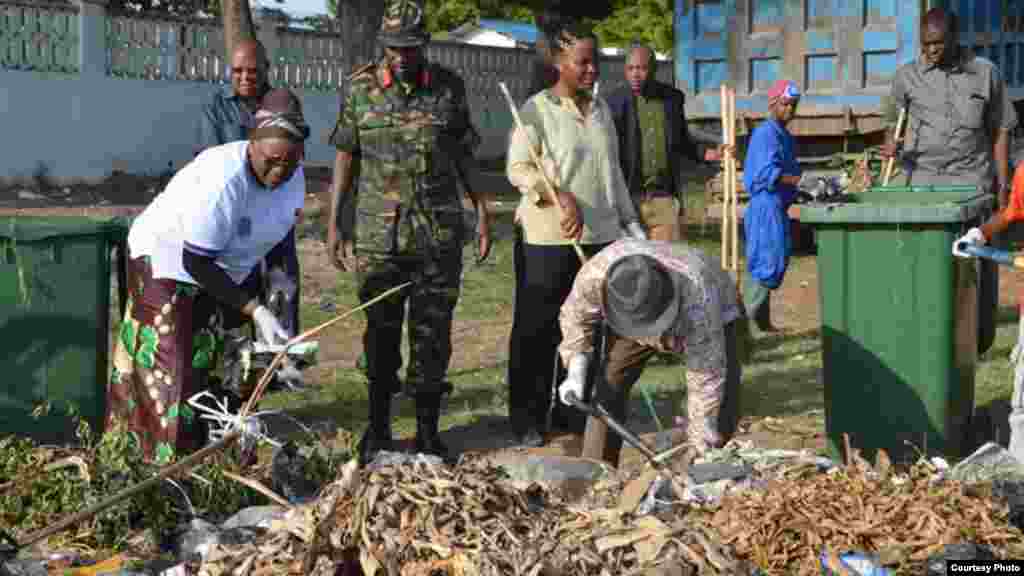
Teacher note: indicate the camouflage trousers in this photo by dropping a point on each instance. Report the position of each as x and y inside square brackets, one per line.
[431, 297]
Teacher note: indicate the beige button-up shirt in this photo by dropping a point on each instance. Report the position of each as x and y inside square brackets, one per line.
[581, 156]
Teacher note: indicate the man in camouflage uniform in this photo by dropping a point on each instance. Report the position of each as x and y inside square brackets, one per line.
[404, 128]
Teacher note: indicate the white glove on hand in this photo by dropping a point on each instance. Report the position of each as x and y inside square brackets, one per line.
[636, 230]
[973, 236]
[270, 329]
[573, 383]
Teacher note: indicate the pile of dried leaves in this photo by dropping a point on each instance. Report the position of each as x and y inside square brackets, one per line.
[902, 518]
[471, 519]
[423, 519]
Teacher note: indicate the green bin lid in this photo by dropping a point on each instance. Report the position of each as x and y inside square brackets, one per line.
[38, 228]
[903, 205]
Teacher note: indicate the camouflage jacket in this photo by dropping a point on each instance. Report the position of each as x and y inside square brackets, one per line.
[411, 143]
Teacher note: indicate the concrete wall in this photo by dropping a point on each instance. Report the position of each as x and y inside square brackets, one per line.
[84, 93]
[85, 127]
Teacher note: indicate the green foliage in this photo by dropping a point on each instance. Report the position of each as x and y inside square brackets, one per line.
[647, 20]
[32, 497]
[446, 15]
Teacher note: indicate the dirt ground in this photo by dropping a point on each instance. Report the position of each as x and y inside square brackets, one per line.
[476, 343]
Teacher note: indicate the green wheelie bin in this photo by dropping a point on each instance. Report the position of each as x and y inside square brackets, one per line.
[55, 322]
[899, 319]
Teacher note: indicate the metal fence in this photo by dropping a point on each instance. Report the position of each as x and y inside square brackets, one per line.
[38, 36]
[46, 37]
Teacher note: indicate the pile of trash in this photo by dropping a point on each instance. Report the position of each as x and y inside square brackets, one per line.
[744, 511]
[416, 516]
[825, 190]
[767, 512]
[901, 519]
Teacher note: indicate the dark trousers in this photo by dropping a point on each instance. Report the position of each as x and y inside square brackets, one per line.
[544, 277]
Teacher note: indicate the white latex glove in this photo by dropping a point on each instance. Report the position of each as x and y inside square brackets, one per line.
[573, 383]
[270, 329]
[973, 236]
[636, 230]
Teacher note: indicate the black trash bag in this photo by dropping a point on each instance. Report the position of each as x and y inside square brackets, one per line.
[24, 568]
[288, 475]
[962, 551]
[1011, 492]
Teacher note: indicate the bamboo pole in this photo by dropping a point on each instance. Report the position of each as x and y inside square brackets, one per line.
[732, 185]
[726, 196]
[540, 166]
[896, 137]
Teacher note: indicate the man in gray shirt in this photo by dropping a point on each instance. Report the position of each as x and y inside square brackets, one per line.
[959, 116]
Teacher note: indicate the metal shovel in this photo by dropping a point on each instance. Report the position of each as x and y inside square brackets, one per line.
[679, 480]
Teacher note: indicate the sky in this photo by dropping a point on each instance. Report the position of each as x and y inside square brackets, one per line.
[296, 7]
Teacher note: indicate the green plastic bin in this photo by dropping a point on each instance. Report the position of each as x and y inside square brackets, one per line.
[899, 320]
[54, 321]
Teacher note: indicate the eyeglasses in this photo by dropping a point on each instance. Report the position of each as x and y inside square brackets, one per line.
[288, 161]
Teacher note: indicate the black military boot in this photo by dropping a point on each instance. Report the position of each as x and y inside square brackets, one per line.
[377, 437]
[428, 416]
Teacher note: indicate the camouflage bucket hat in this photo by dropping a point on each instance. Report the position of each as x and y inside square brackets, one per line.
[404, 24]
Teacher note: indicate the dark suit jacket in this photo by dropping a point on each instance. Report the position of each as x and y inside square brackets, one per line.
[678, 141]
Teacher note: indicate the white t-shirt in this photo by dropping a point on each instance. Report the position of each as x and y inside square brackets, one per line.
[216, 207]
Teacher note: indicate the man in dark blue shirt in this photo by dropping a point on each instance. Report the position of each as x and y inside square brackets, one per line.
[227, 117]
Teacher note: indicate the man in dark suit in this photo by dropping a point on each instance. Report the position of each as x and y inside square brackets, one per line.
[653, 136]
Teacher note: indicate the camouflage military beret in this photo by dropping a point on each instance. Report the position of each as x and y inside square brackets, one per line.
[404, 24]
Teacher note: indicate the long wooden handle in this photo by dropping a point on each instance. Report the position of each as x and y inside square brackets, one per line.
[184, 465]
[733, 187]
[276, 362]
[726, 195]
[895, 138]
[540, 166]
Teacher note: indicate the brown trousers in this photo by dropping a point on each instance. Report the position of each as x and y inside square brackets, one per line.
[623, 363]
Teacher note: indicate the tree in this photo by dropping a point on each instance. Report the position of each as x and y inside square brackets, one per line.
[236, 17]
[181, 8]
[647, 20]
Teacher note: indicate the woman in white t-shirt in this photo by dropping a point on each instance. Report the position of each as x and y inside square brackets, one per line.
[192, 257]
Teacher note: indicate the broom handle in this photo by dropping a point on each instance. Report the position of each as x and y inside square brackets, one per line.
[540, 167]
[895, 138]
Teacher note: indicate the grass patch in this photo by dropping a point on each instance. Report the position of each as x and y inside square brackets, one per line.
[781, 381]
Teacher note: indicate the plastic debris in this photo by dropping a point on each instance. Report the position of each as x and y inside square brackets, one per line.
[288, 477]
[254, 517]
[851, 564]
[989, 463]
[963, 551]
